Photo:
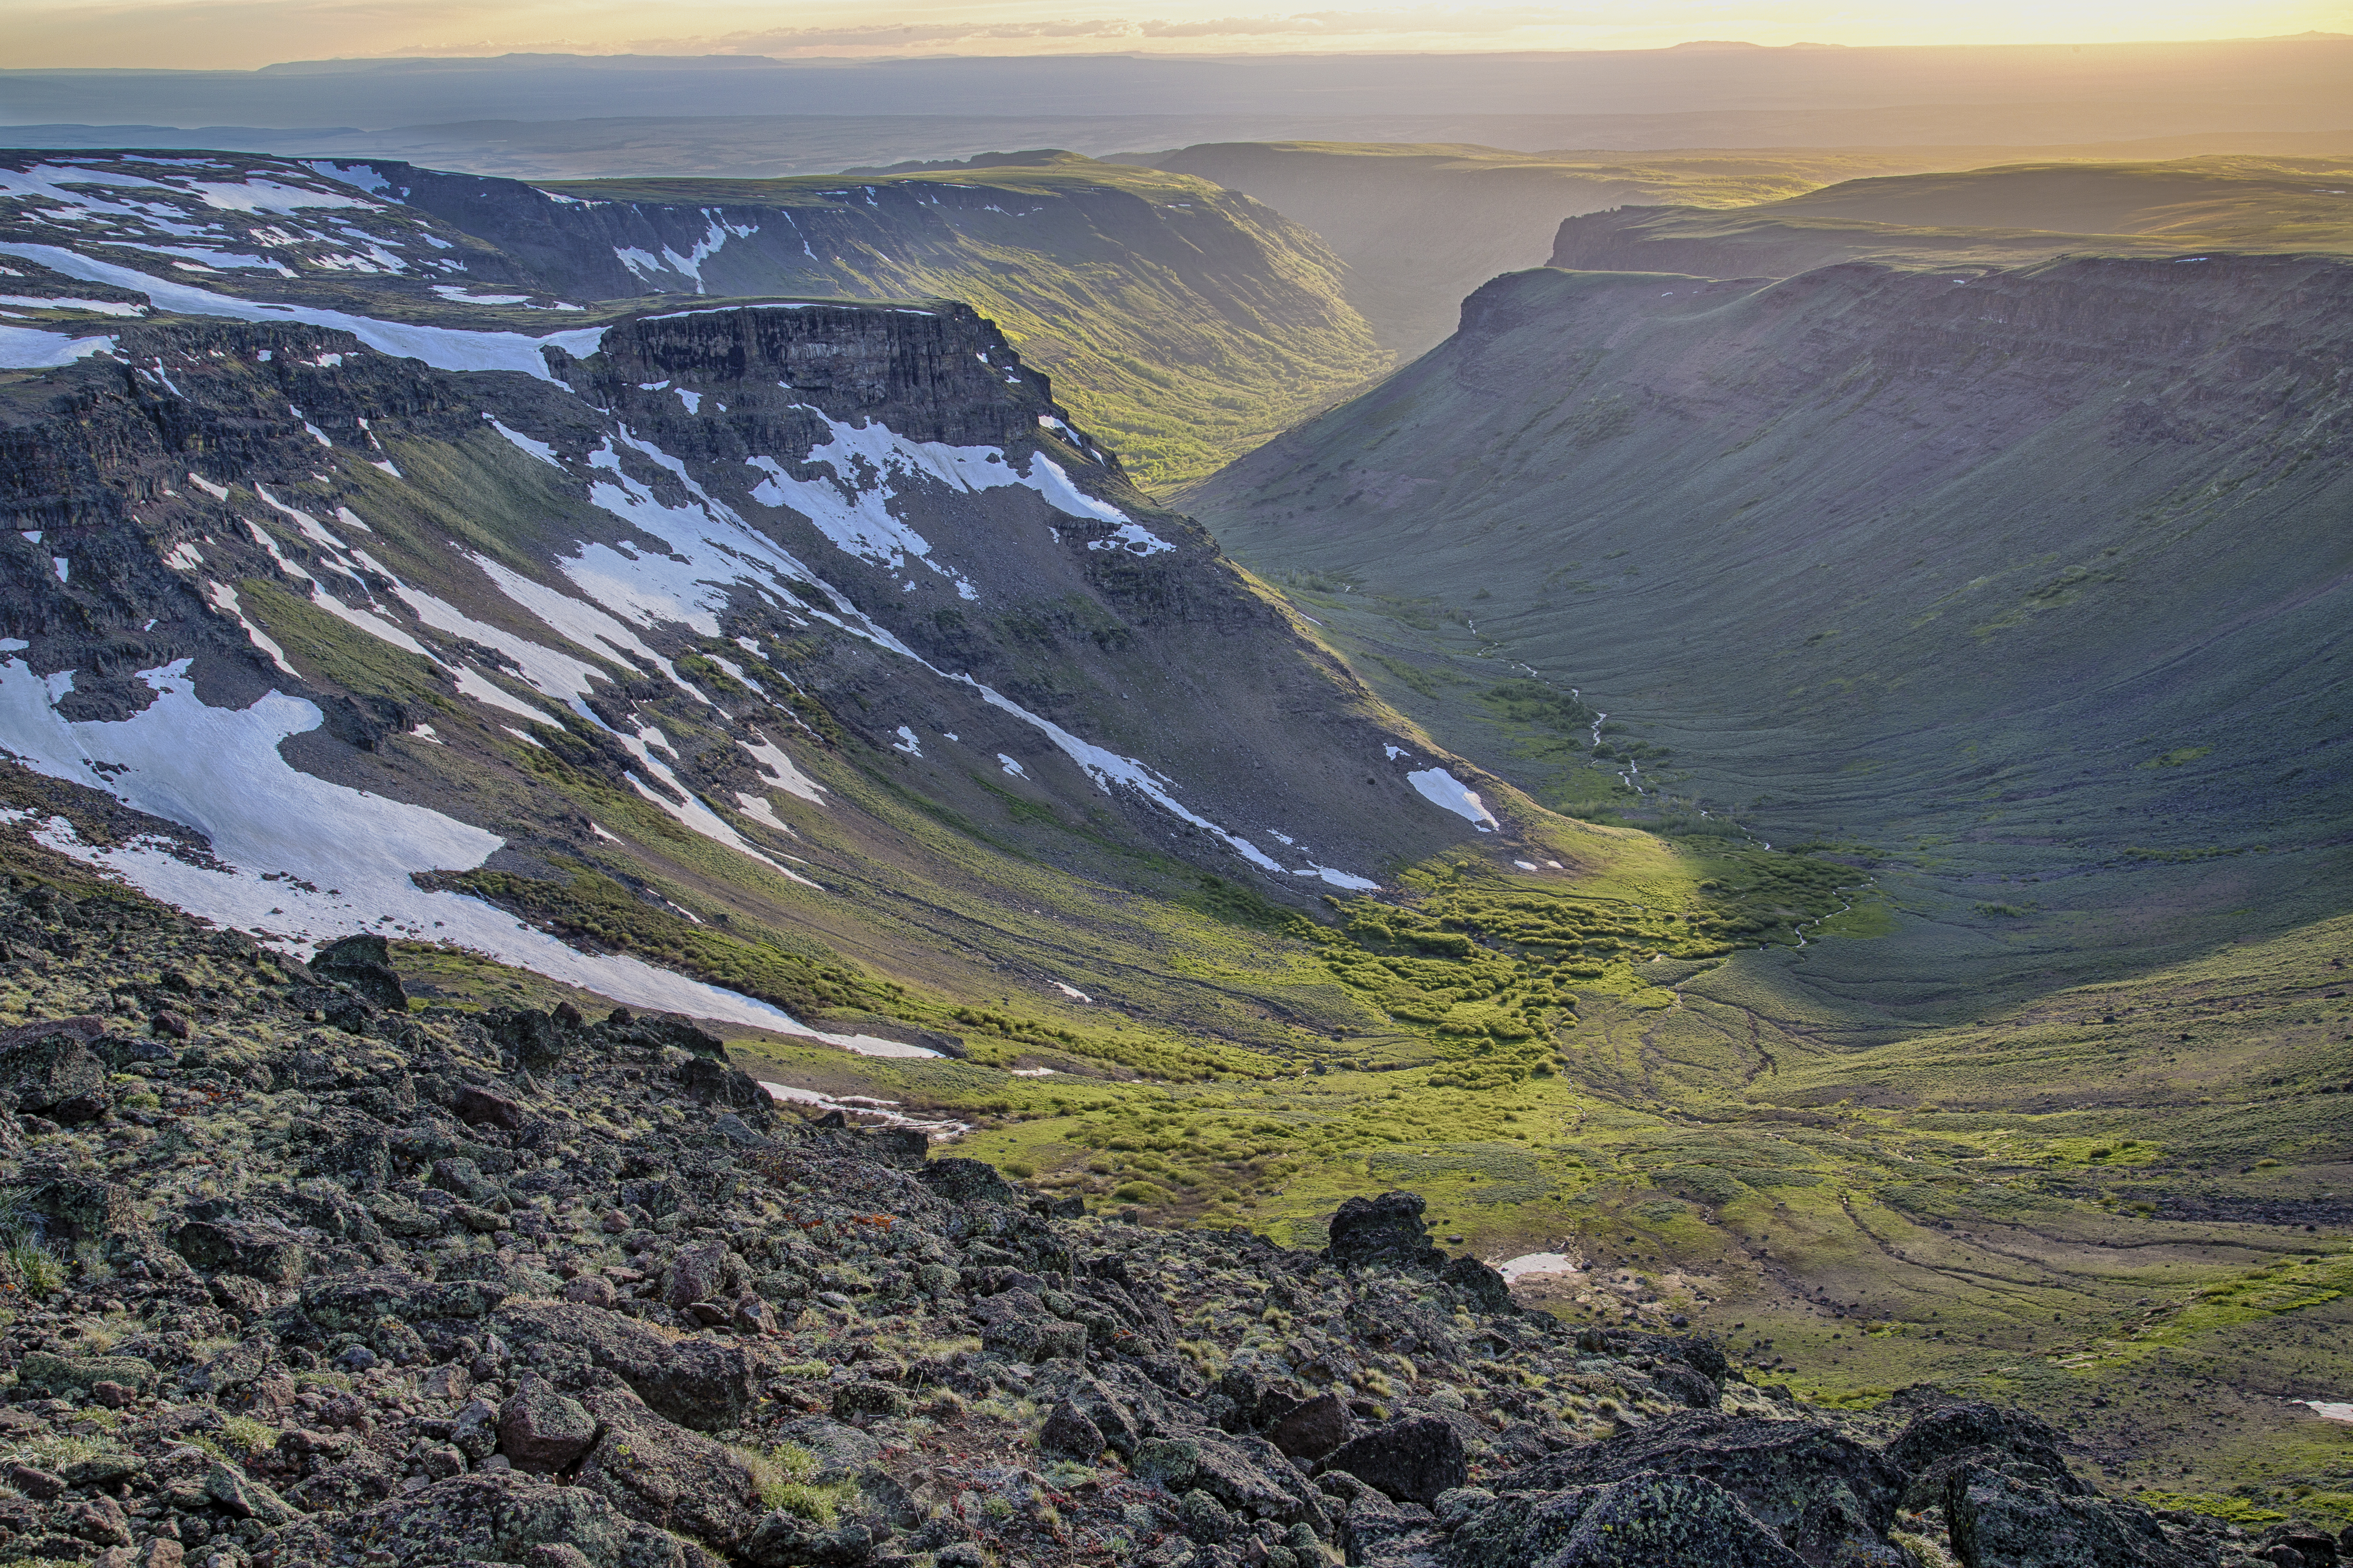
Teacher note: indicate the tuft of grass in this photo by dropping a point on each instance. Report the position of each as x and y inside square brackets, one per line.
[247, 1437]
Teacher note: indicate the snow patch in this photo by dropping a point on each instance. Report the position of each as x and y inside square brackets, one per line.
[29, 348]
[443, 348]
[1446, 791]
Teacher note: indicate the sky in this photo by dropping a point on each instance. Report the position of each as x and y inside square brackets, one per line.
[243, 33]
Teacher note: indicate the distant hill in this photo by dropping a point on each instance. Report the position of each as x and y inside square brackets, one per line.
[1994, 216]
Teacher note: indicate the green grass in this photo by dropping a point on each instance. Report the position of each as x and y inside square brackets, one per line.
[1181, 323]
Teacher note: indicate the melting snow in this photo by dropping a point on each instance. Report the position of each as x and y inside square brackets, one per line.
[1133, 537]
[1443, 790]
[444, 348]
[908, 743]
[1010, 766]
[29, 348]
[218, 770]
[1537, 1263]
[540, 449]
[884, 1112]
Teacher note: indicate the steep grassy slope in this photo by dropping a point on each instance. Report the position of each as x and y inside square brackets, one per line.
[2030, 588]
[1186, 323]
[2003, 217]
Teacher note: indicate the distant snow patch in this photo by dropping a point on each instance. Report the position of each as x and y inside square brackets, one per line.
[908, 741]
[1072, 992]
[1010, 766]
[29, 348]
[1446, 791]
[540, 449]
[1529, 1263]
[443, 348]
[1133, 537]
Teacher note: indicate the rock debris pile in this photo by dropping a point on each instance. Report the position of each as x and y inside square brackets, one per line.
[298, 1274]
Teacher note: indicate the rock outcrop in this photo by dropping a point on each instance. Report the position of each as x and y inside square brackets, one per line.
[558, 1317]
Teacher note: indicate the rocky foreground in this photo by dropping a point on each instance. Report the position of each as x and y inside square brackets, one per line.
[300, 1275]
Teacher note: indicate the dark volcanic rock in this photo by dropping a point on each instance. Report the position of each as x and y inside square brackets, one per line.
[1645, 1521]
[1386, 1230]
[1821, 1492]
[1312, 1428]
[697, 1382]
[363, 962]
[1412, 1461]
[1998, 1521]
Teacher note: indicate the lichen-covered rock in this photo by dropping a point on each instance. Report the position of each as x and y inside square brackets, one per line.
[1387, 1229]
[1642, 1520]
[1411, 1460]
[1821, 1492]
[2001, 1522]
[540, 1429]
[696, 1381]
[654, 1470]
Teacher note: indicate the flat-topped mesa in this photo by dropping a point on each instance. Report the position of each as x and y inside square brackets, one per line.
[940, 371]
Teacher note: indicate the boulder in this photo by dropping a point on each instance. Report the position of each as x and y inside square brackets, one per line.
[363, 962]
[681, 1481]
[1999, 1521]
[260, 1252]
[1643, 1521]
[1312, 1429]
[1068, 1431]
[1386, 1229]
[1411, 1460]
[1820, 1491]
[700, 1383]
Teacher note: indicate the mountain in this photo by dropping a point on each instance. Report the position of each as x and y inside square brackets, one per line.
[2022, 584]
[1185, 322]
[1420, 226]
[806, 668]
[810, 604]
[2001, 217]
